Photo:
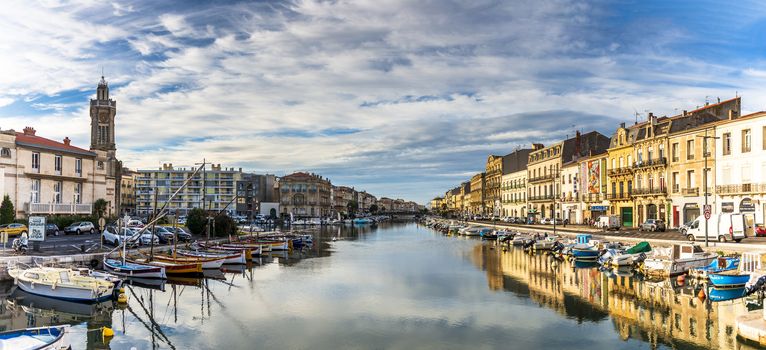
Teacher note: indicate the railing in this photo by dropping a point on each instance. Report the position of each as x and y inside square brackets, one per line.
[619, 196]
[542, 178]
[741, 188]
[542, 198]
[592, 197]
[650, 191]
[691, 191]
[651, 162]
[620, 171]
[59, 208]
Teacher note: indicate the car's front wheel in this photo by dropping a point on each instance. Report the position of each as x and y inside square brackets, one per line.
[78, 232]
[690, 238]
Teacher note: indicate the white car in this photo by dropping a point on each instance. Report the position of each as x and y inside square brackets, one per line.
[546, 221]
[110, 236]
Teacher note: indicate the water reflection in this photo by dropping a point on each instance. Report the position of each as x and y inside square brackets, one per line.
[659, 313]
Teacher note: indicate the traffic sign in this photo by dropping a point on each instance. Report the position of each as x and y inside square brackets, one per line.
[707, 211]
[36, 228]
[101, 223]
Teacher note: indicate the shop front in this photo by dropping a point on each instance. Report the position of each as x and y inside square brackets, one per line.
[691, 211]
[597, 210]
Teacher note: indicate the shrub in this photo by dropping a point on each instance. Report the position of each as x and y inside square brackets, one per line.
[224, 226]
[196, 220]
[7, 212]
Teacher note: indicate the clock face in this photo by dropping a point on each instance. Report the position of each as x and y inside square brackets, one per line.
[102, 118]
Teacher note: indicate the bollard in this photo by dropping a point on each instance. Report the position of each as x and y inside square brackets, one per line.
[82, 248]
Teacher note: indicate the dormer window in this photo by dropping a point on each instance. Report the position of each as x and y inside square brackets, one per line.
[5, 152]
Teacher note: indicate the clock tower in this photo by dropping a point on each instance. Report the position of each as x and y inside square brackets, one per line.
[102, 112]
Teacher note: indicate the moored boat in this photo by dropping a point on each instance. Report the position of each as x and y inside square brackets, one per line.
[40, 338]
[206, 262]
[584, 249]
[171, 268]
[676, 260]
[718, 265]
[129, 269]
[729, 279]
[228, 257]
[62, 283]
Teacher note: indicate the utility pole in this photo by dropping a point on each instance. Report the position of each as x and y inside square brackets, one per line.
[705, 154]
[154, 216]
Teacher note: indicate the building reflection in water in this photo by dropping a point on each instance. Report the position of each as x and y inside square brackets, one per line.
[657, 313]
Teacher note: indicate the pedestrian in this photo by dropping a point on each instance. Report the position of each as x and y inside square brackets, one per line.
[566, 221]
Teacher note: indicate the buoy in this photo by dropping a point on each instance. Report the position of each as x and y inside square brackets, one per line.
[107, 332]
[122, 298]
[122, 290]
[681, 279]
[701, 294]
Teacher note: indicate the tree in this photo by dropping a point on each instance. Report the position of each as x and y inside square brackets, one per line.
[99, 207]
[225, 225]
[7, 213]
[196, 221]
[352, 207]
[374, 208]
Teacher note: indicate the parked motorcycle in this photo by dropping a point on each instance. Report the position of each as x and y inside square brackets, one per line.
[20, 245]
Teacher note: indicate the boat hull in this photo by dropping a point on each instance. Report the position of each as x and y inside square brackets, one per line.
[585, 254]
[728, 280]
[80, 295]
[237, 258]
[134, 270]
[41, 338]
[207, 263]
[663, 267]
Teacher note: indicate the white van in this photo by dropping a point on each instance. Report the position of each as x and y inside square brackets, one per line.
[608, 222]
[721, 227]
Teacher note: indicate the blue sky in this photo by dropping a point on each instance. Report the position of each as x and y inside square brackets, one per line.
[401, 98]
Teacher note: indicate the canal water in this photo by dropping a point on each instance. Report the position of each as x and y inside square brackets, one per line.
[395, 286]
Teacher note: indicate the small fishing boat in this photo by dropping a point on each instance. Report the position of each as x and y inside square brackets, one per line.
[61, 283]
[228, 257]
[129, 269]
[361, 221]
[40, 338]
[584, 249]
[631, 255]
[729, 279]
[718, 265]
[544, 244]
[206, 262]
[171, 268]
[676, 260]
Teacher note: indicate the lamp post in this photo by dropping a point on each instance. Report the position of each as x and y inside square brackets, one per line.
[705, 155]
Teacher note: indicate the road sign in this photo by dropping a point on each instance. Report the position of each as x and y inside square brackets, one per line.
[101, 223]
[36, 228]
[706, 210]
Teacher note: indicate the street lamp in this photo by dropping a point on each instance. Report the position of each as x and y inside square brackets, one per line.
[705, 154]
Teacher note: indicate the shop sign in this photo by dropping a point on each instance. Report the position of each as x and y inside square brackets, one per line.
[746, 205]
[727, 207]
[598, 207]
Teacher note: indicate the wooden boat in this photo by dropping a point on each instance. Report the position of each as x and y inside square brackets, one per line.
[228, 257]
[171, 268]
[129, 269]
[274, 245]
[40, 338]
[61, 283]
[207, 263]
[676, 260]
[584, 249]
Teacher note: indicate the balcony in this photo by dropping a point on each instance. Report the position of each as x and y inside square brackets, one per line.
[652, 191]
[620, 171]
[691, 192]
[544, 178]
[548, 197]
[658, 162]
[748, 188]
[592, 197]
[620, 196]
[59, 208]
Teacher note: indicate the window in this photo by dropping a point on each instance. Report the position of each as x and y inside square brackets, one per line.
[690, 150]
[5, 152]
[662, 151]
[621, 163]
[57, 164]
[57, 191]
[707, 180]
[675, 182]
[78, 193]
[35, 193]
[614, 164]
[690, 179]
[36, 162]
[746, 141]
[650, 179]
[674, 150]
[78, 166]
[649, 153]
[630, 187]
[640, 156]
[100, 165]
[727, 143]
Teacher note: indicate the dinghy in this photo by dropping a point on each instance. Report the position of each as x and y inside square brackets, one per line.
[61, 283]
[129, 269]
[40, 338]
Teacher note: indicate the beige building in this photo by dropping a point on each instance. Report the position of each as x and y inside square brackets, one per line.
[514, 183]
[128, 191]
[493, 178]
[571, 206]
[305, 195]
[477, 205]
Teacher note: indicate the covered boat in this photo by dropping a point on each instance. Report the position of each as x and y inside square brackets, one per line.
[40, 338]
[627, 257]
[130, 269]
[676, 260]
[61, 283]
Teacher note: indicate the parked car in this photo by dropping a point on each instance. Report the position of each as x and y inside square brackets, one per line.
[135, 223]
[111, 236]
[182, 235]
[653, 225]
[608, 222]
[147, 238]
[51, 230]
[80, 227]
[14, 229]
[164, 234]
[760, 231]
[684, 227]
[546, 221]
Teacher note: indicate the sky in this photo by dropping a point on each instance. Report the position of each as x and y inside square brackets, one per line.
[400, 98]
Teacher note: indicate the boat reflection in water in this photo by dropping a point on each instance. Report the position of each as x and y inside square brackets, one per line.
[668, 312]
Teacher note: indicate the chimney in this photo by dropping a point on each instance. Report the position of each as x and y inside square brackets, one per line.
[29, 131]
[622, 125]
[684, 112]
[67, 141]
[731, 114]
[578, 140]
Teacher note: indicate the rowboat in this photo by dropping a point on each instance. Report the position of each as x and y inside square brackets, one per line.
[170, 267]
[40, 338]
[130, 269]
[207, 263]
[61, 283]
[228, 257]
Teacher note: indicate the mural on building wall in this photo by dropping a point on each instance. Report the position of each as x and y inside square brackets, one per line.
[594, 176]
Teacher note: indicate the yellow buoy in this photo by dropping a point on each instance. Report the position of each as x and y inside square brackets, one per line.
[122, 290]
[107, 332]
[122, 298]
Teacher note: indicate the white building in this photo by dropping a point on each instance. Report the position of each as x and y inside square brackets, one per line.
[571, 208]
[740, 169]
[513, 186]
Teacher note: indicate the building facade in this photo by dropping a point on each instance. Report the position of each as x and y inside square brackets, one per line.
[513, 187]
[305, 195]
[252, 190]
[620, 174]
[592, 178]
[493, 177]
[476, 206]
[128, 192]
[212, 189]
[571, 207]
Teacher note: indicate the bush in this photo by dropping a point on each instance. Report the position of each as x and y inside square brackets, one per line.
[225, 226]
[7, 213]
[196, 220]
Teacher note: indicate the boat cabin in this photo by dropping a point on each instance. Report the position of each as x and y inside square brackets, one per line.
[686, 251]
[583, 238]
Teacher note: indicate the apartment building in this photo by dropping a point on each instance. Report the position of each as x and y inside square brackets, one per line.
[305, 195]
[514, 183]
